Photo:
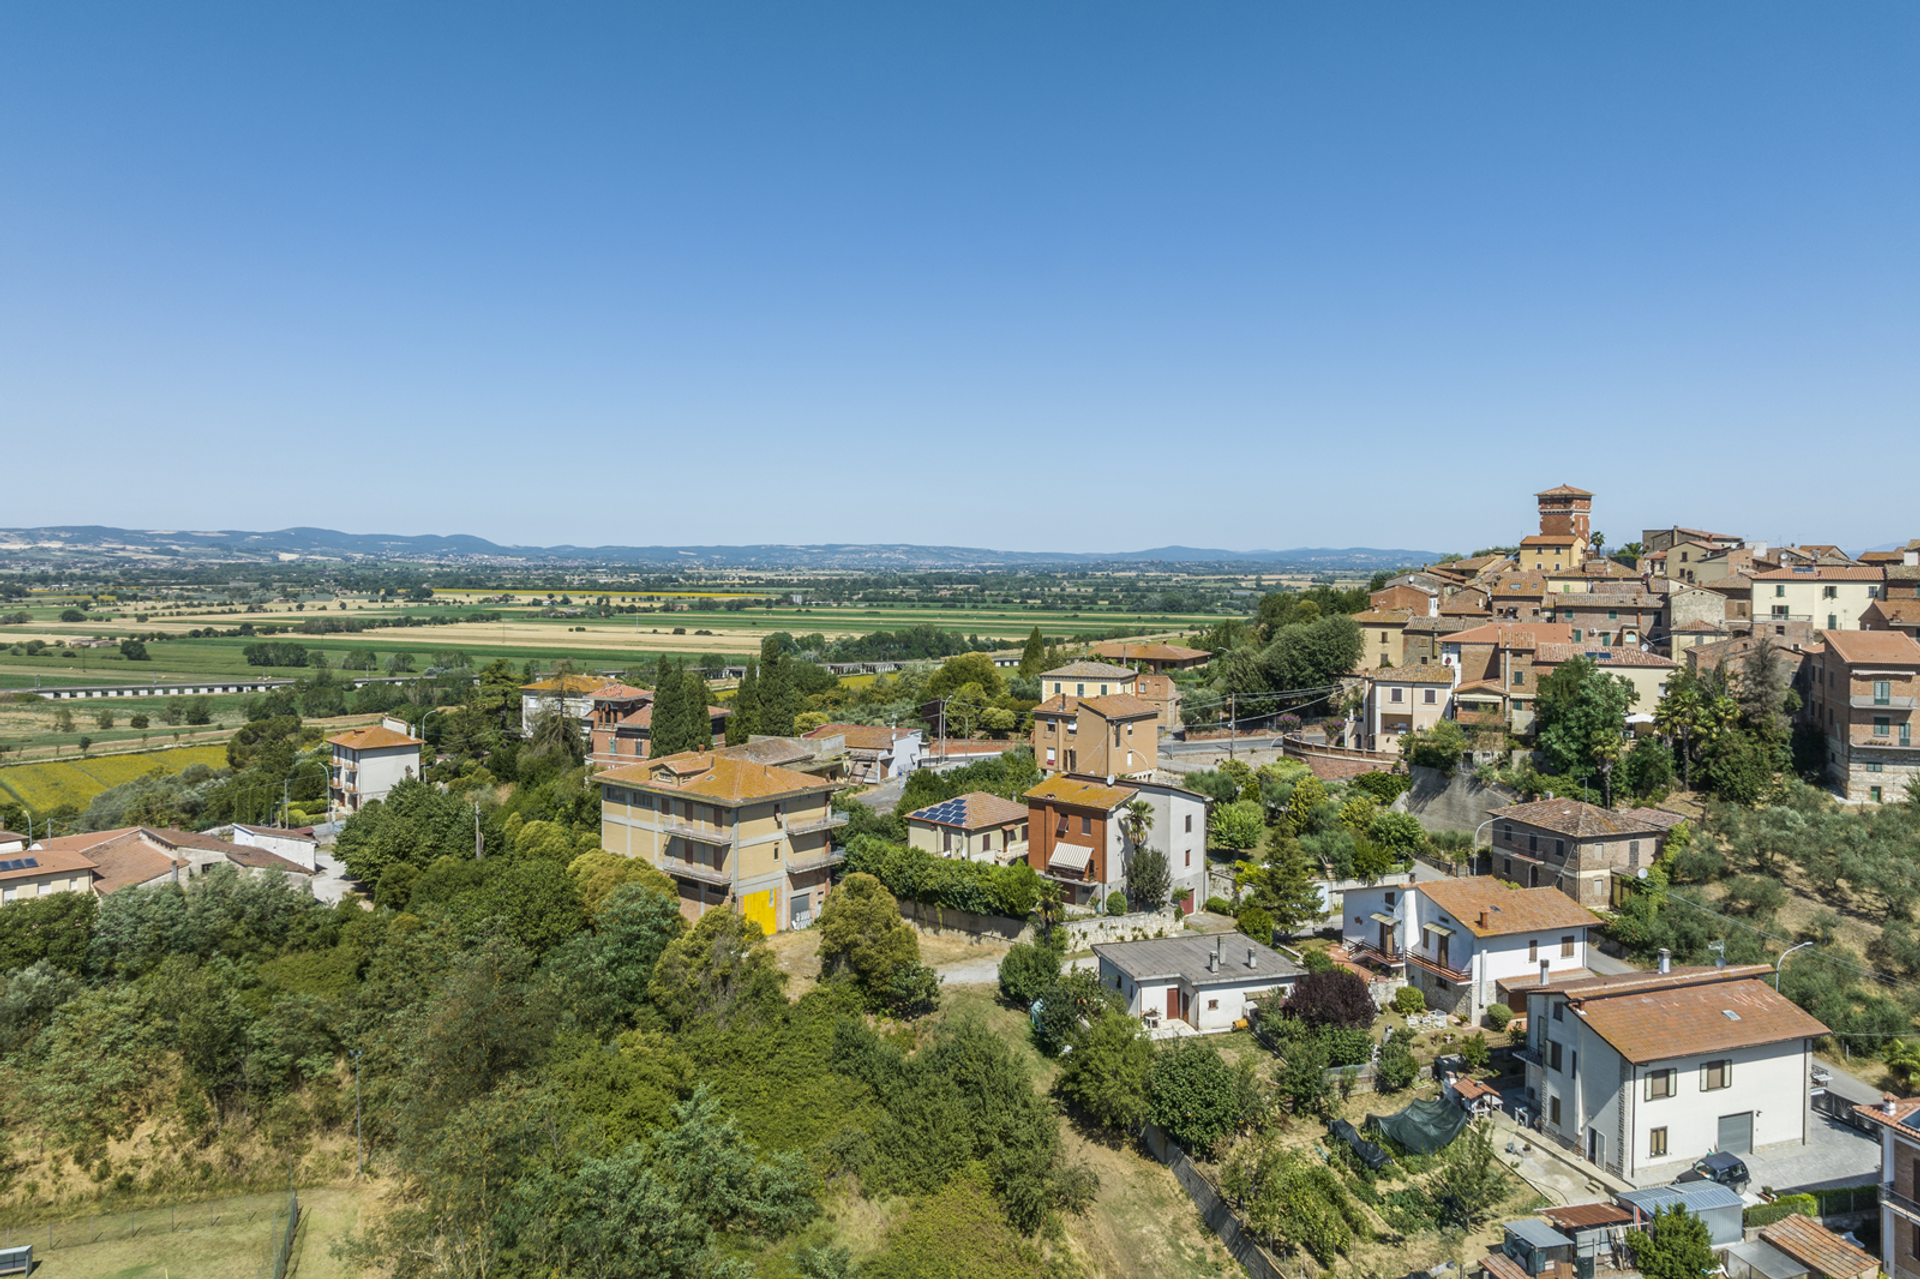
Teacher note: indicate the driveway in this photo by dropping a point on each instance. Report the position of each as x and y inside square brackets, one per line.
[1835, 1155]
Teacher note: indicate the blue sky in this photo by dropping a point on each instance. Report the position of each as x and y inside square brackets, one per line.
[1031, 276]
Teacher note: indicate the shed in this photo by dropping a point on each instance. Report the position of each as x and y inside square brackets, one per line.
[1535, 1245]
[1713, 1203]
[1818, 1250]
[1758, 1259]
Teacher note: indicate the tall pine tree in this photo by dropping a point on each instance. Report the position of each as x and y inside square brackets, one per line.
[696, 726]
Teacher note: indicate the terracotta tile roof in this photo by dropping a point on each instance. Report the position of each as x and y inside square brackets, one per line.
[85, 840]
[1473, 1089]
[778, 751]
[1383, 616]
[303, 833]
[1817, 1248]
[975, 810]
[11, 836]
[1499, 1265]
[1824, 573]
[1081, 792]
[1898, 612]
[567, 685]
[1896, 1117]
[1652, 1024]
[1874, 647]
[1523, 584]
[129, 861]
[1509, 910]
[1088, 670]
[721, 779]
[1444, 625]
[175, 839]
[617, 692]
[1582, 820]
[1482, 686]
[1414, 674]
[1564, 490]
[1587, 1216]
[862, 737]
[1127, 651]
[1549, 539]
[48, 861]
[1119, 706]
[1521, 635]
[373, 737]
[261, 859]
[1554, 654]
[643, 716]
[1702, 624]
[1329, 768]
[1060, 704]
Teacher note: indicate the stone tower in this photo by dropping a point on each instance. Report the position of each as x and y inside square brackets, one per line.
[1567, 511]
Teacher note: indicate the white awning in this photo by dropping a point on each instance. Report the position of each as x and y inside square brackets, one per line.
[1378, 918]
[1442, 929]
[1068, 857]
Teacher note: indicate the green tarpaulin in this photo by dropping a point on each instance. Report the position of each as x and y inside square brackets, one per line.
[1424, 1126]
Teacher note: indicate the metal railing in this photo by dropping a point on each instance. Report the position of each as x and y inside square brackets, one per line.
[1906, 1205]
[814, 827]
[1458, 975]
[832, 857]
[1868, 702]
[693, 870]
[697, 834]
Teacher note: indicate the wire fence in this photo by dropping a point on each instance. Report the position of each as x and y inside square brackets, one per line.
[277, 1212]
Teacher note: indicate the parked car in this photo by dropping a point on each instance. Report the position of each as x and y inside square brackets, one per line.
[1728, 1170]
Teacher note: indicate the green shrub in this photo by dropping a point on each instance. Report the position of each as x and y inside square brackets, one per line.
[1219, 906]
[1409, 1000]
[1257, 924]
[1783, 1207]
[1116, 903]
[1384, 787]
[1316, 961]
[955, 884]
[1498, 1015]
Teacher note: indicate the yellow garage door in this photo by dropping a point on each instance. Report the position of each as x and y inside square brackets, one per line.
[759, 908]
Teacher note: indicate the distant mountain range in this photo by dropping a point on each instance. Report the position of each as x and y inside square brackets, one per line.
[92, 542]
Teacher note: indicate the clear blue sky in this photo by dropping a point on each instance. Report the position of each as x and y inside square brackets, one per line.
[1226, 274]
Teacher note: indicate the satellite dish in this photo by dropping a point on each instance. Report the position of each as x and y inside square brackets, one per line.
[1641, 873]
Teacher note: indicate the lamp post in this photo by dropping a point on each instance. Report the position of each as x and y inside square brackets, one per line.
[1783, 959]
[1475, 848]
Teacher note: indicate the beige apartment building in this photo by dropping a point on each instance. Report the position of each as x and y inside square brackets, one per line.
[975, 827]
[1117, 735]
[1576, 847]
[1832, 598]
[729, 831]
[1382, 630]
[1863, 691]
[1405, 699]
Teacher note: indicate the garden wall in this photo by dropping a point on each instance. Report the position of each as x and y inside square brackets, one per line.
[1085, 930]
[964, 921]
[1213, 1208]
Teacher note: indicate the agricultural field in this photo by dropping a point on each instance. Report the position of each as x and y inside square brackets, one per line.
[42, 787]
[238, 1247]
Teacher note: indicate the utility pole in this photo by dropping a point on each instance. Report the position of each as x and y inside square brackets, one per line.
[359, 1141]
[479, 845]
[1232, 725]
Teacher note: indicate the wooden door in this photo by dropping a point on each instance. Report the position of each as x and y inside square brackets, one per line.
[1173, 1001]
[1386, 939]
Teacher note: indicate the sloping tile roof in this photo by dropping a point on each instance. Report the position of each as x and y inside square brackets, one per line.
[1898, 612]
[1579, 819]
[566, 685]
[48, 861]
[1549, 539]
[1509, 910]
[778, 751]
[261, 859]
[1515, 634]
[642, 717]
[1062, 788]
[1686, 1021]
[1824, 573]
[1680, 975]
[1432, 673]
[373, 737]
[1119, 706]
[1088, 670]
[1554, 654]
[128, 861]
[618, 692]
[1383, 616]
[1817, 1248]
[717, 778]
[1564, 490]
[304, 833]
[975, 810]
[862, 737]
[1874, 647]
[1127, 651]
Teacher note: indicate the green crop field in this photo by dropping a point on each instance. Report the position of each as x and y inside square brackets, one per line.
[45, 786]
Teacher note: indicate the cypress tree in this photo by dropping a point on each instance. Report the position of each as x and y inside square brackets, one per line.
[745, 720]
[1033, 657]
[696, 727]
[667, 718]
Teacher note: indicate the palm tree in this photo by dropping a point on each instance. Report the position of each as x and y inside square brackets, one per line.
[1138, 821]
[1903, 1059]
[1051, 905]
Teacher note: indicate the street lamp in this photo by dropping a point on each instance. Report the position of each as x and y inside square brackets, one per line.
[1475, 847]
[1783, 959]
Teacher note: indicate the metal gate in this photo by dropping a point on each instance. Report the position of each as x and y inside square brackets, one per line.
[1736, 1133]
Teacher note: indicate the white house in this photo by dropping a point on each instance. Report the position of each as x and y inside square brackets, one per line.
[370, 762]
[1643, 1073]
[1203, 980]
[1467, 943]
[296, 846]
[571, 694]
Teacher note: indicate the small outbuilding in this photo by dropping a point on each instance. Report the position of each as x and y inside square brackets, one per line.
[1819, 1251]
[1535, 1245]
[1204, 980]
[1719, 1207]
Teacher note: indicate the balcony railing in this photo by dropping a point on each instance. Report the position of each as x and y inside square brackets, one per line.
[1368, 953]
[694, 870]
[1884, 743]
[810, 828]
[698, 834]
[1531, 1056]
[1888, 1195]
[1867, 702]
[832, 857]
[1457, 975]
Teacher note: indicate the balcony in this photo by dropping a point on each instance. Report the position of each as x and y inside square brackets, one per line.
[1371, 954]
[1459, 976]
[679, 869]
[1905, 1205]
[1531, 1056]
[820, 861]
[698, 834]
[1883, 743]
[1868, 703]
[815, 827]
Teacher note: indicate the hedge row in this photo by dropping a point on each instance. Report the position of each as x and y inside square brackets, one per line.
[979, 887]
[1783, 1207]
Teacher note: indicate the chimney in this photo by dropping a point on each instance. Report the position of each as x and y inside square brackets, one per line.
[1666, 960]
[1486, 921]
[1548, 795]
[1886, 1103]
[1249, 956]
[1213, 962]
[1543, 972]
